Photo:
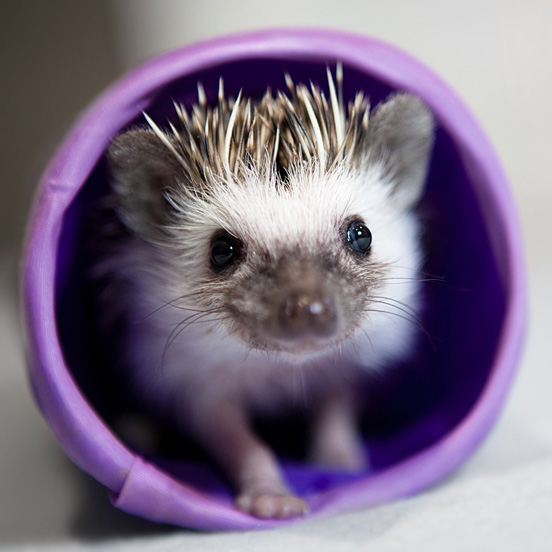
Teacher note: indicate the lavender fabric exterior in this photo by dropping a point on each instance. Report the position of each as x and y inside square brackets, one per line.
[441, 407]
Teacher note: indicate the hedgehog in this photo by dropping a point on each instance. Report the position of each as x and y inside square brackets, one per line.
[270, 263]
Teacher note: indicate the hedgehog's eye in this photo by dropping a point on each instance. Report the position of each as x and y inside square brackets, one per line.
[359, 237]
[225, 250]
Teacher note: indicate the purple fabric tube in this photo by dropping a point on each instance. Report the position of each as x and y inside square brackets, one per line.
[424, 421]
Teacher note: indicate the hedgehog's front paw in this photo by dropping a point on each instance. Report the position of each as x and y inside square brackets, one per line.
[267, 504]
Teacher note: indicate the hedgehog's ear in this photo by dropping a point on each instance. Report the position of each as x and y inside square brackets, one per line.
[401, 136]
[142, 168]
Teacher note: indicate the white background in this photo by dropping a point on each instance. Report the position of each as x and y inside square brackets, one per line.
[56, 56]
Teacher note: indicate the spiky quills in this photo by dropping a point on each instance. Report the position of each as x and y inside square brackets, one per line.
[271, 137]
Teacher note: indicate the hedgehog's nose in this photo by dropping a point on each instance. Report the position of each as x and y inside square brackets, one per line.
[307, 313]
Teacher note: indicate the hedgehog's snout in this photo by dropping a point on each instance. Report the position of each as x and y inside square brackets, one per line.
[301, 309]
[306, 313]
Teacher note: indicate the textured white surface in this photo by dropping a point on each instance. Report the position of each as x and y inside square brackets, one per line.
[497, 55]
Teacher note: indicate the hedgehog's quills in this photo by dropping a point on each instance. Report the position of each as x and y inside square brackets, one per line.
[269, 261]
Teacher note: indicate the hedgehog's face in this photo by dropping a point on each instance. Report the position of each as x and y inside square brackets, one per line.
[297, 269]
[296, 299]
[286, 219]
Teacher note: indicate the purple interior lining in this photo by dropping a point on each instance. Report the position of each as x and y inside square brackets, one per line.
[421, 418]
